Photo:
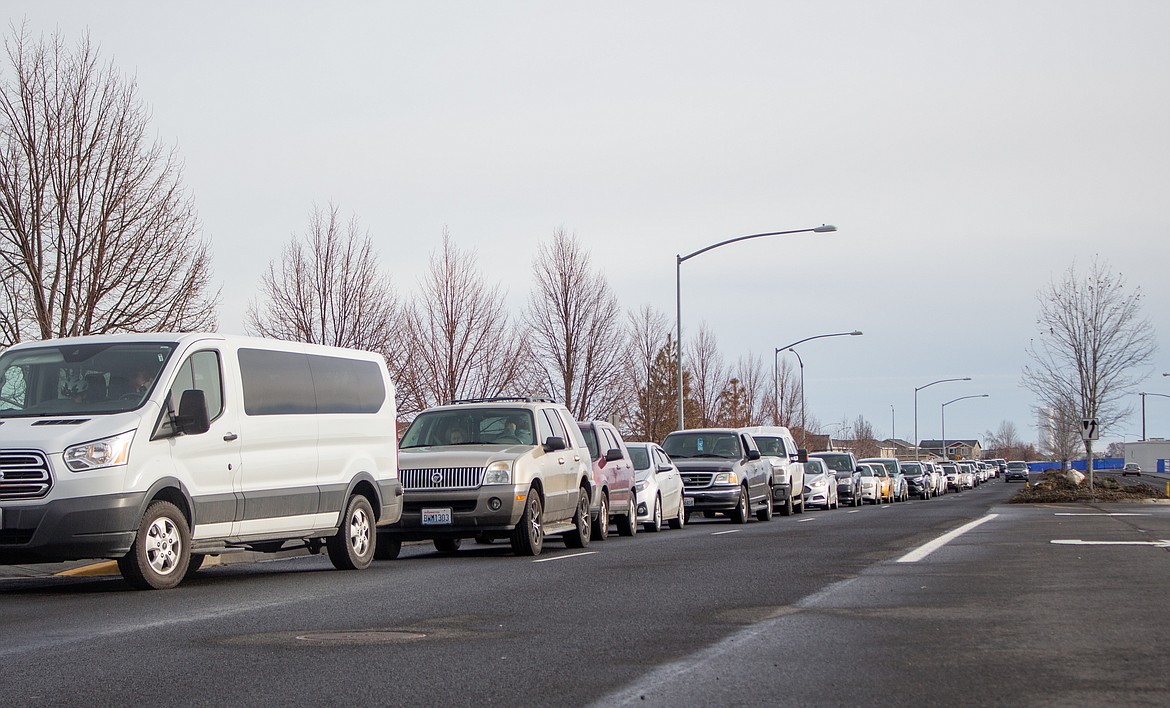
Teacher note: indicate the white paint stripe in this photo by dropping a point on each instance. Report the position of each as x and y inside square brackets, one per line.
[927, 548]
[805, 520]
[855, 511]
[1069, 513]
[1077, 542]
[571, 555]
[720, 533]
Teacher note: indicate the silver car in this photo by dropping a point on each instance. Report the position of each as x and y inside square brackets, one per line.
[820, 484]
[659, 485]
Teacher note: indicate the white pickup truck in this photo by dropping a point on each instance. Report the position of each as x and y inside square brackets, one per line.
[779, 448]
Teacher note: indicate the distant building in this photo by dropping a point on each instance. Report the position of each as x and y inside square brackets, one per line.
[1152, 455]
[956, 449]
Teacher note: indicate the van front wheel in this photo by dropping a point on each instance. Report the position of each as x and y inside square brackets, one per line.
[352, 547]
[161, 551]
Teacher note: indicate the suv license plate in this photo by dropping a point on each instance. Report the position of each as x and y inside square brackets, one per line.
[436, 517]
[688, 501]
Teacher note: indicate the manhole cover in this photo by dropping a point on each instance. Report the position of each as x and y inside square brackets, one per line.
[360, 637]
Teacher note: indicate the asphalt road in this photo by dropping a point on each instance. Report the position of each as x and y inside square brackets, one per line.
[813, 609]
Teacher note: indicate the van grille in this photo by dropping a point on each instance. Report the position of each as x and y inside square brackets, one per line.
[24, 474]
[441, 478]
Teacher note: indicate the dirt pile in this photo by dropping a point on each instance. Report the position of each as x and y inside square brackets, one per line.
[1057, 487]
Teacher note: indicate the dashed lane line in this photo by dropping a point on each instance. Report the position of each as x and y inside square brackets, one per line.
[571, 555]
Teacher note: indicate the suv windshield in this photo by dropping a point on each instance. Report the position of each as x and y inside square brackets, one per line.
[725, 445]
[473, 426]
[79, 379]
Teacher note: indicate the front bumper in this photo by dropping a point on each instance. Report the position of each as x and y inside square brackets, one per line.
[471, 513]
[69, 529]
[723, 498]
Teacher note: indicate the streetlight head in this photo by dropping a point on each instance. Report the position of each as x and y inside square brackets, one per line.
[966, 378]
[856, 333]
[824, 229]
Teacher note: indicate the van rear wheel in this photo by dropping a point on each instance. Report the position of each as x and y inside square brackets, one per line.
[352, 547]
[161, 552]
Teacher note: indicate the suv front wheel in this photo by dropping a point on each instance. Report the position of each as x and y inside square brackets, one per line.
[528, 536]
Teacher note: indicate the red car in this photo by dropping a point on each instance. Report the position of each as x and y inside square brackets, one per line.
[614, 498]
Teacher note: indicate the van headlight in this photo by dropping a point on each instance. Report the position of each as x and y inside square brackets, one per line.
[498, 473]
[726, 478]
[107, 452]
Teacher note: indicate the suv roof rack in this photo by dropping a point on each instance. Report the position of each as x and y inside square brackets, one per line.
[500, 399]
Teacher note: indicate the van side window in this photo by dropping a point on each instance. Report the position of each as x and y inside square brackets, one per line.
[201, 371]
[291, 383]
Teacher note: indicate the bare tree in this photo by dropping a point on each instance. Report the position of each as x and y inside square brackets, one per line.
[865, 443]
[648, 405]
[1061, 433]
[329, 289]
[461, 342]
[750, 372]
[1093, 340]
[1004, 441]
[709, 375]
[97, 233]
[734, 406]
[783, 408]
[576, 326]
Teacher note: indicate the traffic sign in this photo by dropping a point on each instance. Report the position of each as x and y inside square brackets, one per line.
[1090, 430]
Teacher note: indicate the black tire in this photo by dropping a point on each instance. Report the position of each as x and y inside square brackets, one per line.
[352, 547]
[528, 537]
[387, 549]
[448, 545]
[628, 525]
[161, 552]
[681, 520]
[582, 521]
[765, 514]
[654, 525]
[798, 508]
[740, 514]
[786, 507]
[600, 530]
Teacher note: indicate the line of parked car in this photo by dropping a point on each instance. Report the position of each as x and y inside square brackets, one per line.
[521, 470]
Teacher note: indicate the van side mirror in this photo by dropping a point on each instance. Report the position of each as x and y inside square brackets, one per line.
[613, 455]
[192, 418]
[753, 454]
[802, 455]
[554, 443]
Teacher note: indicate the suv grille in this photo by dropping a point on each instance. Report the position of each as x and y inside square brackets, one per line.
[441, 478]
[697, 480]
[24, 474]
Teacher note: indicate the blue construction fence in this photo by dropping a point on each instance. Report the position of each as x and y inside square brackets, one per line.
[1100, 463]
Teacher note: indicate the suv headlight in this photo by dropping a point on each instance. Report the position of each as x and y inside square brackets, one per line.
[726, 478]
[498, 473]
[107, 452]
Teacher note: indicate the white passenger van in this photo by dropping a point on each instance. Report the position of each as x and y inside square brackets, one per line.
[160, 449]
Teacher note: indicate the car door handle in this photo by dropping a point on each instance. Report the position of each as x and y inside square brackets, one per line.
[230, 437]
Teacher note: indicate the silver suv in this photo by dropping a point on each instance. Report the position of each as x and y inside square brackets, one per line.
[514, 468]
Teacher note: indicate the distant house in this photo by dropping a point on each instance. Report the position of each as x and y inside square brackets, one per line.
[956, 449]
[902, 449]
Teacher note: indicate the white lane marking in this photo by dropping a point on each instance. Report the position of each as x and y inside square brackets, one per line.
[855, 511]
[1164, 543]
[1118, 513]
[804, 520]
[720, 533]
[887, 506]
[930, 547]
[571, 555]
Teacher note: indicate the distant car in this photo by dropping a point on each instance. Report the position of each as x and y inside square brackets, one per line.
[820, 484]
[1131, 468]
[919, 481]
[723, 472]
[848, 474]
[659, 485]
[1016, 469]
[898, 488]
[953, 476]
[875, 483]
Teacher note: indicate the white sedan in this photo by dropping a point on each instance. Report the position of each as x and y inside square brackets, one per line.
[820, 484]
[659, 487]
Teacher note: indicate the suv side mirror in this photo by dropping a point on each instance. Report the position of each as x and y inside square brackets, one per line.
[554, 443]
[613, 455]
[802, 455]
[753, 454]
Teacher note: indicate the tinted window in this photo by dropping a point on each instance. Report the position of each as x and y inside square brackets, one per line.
[641, 458]
[555, 425]
[837, 463]
[291, 383]
[470, 426]
[591, 440]
[771, 446]
[682, 445]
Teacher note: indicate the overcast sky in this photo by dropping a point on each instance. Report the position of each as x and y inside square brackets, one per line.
[967, 153]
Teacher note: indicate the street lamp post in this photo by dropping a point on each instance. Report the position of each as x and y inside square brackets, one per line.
[679, 260]
[944, 418]
[1143, 395]
[776, 370]
[916, 441]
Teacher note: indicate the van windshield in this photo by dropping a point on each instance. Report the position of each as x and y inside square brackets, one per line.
[79, 379]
